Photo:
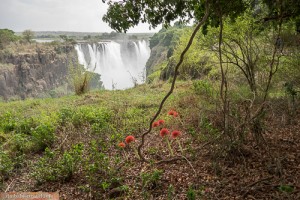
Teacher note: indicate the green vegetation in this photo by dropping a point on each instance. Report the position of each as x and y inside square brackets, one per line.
[59, 140]
[74, 140]
[7, 36]
[80, 78]
[243, 56]
[53, 167]
[162, 45]
[232, 119]
[89, 36]
[28, 35]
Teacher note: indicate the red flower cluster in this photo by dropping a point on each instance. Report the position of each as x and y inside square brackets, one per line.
[129, 139]
[122, 145]
[173, 112]
[161, 121]
[164, 132]
[155, 124]
[175, 134]
[158, 123]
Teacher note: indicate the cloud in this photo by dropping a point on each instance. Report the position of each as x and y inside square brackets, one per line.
[57, 15]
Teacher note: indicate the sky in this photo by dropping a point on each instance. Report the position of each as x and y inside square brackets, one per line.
[58, 15]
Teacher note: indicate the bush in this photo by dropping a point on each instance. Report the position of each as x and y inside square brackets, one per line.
[84, 115]
[204, 88]
[6, 166]
[7, 36]
[65, 115]
[43, 136]
[191, 194]
[26, 126]
[100, 169]
[80, 78]
[20, 143]
[8, 122]
[68, 164]
[53, 167]
[150, 180]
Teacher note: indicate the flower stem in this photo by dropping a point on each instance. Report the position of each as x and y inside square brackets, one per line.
[180, 147]
[169, 146]
[136, 152]
[124, 154]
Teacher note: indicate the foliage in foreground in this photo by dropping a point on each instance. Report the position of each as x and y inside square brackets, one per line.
[88, 130]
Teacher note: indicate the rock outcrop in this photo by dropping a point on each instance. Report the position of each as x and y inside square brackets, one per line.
[31, 74]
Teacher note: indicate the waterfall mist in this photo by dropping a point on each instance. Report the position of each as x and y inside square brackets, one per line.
[120, 65]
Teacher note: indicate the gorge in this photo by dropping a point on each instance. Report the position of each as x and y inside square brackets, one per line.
[36, 70]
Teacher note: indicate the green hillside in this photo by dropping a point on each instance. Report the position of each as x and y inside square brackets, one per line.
[71, 144]
[228, 130]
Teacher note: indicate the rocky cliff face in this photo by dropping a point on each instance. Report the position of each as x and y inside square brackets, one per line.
[162, 46]
[31, 74]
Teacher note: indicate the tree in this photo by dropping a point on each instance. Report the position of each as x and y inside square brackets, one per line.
[124, 14]
[28, 35]
[7, 36]
[67, 40]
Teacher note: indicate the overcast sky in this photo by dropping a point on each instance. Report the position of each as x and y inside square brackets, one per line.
[57, 15]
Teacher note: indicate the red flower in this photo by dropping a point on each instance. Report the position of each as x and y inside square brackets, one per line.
[171, 112]
[164, 132]
[161, 122]
[175, 134]
[155, 124]
[129, 139]
[122, 144]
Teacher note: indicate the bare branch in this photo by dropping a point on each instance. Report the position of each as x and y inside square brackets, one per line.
[173, 82]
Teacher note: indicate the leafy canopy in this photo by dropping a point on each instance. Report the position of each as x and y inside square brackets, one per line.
[28, 35]
[7, 36]
[122, 15]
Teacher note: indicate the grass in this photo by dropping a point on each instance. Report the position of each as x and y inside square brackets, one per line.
[48, 129]
[71, 144]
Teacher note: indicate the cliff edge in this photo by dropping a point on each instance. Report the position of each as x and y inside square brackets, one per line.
[33, 70]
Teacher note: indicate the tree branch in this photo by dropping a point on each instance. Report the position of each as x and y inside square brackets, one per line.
[173, 82]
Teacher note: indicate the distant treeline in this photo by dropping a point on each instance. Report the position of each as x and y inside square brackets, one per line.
[90, 35]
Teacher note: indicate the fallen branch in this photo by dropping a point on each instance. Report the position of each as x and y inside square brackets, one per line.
[170, 160]
[255, 183]
[8, 187]
[181, 157]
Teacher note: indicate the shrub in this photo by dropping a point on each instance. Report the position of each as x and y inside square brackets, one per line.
[68, 164]
[100, 169]
[92, 116]
[26, 126]
[6, 166]
[7, 36]
[45, 169]
[203, 87]
[20, 143]
[8, 122]
[80, 78]
[53, 167]
[43, 136]
[150, 180]
[65, 115]
[191, 194]
[84, 115]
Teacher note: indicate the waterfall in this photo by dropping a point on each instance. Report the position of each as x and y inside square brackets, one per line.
[119, 64]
